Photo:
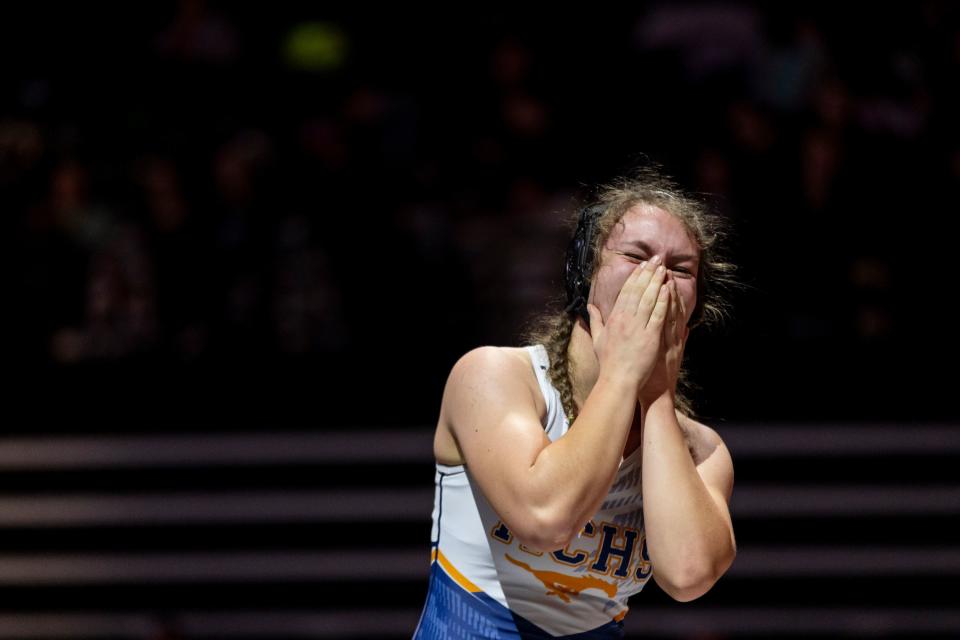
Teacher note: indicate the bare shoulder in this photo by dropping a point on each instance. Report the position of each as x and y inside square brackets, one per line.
[498, 366]
[483, 383]
[709, 452]
[702, 438]
[493, 359]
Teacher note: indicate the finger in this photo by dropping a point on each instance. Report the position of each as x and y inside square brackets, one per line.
[649, 297]
[678, 315]
[683, 307]
[659, 312]
[632, 289]
[596, 320]
[670, 330]
[645, 277]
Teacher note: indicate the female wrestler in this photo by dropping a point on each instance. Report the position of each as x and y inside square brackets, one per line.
[569, 472]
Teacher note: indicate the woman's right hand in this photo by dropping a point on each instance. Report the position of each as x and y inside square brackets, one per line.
[628, 342]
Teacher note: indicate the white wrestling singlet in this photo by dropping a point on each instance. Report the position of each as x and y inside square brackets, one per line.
[485, 584]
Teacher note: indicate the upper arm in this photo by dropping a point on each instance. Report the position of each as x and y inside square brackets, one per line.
[489, 407]
[716, 471]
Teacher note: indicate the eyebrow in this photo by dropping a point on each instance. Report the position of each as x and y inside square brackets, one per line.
[643, 246]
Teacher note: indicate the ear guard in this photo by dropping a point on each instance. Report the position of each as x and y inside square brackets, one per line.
[578, 266]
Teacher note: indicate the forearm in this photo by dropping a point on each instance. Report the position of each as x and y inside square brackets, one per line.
[688, 537]
[573, 474]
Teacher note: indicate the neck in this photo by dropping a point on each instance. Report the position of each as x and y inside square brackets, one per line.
[584, 366]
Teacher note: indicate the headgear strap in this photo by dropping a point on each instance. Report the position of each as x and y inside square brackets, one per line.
[578, 266]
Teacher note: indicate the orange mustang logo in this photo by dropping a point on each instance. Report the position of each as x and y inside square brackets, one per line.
[562, 585]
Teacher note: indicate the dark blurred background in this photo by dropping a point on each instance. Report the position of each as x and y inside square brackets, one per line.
[248, 241]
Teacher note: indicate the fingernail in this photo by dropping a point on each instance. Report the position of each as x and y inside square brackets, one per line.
[655, 259]
[660, 269]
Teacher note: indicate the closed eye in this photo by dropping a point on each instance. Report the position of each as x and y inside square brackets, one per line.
[681, 271]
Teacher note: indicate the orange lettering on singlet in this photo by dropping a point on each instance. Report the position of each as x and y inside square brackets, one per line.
[562, 585]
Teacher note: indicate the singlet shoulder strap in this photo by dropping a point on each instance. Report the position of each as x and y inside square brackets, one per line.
[555, 423]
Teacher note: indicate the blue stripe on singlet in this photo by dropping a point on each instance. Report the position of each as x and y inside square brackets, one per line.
[454, 613]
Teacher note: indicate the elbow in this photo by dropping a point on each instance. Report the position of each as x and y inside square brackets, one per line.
[696, 579]
[546, 532]
[684, 588]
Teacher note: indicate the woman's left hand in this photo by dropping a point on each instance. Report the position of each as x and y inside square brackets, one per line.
[673, 339]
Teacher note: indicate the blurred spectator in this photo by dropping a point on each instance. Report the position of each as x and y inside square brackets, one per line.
[235, 199]
[199, 34]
